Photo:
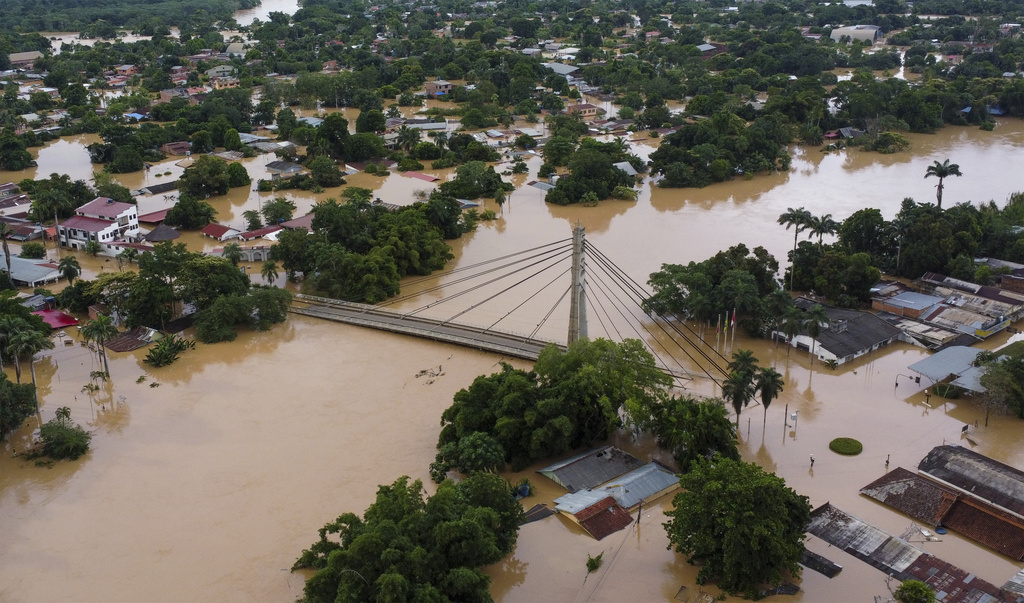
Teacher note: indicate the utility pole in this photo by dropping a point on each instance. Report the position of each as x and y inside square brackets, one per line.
[577, 292]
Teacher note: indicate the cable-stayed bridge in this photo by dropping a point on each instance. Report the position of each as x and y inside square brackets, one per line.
[518, 283]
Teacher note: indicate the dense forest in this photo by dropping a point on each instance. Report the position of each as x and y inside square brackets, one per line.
[148, 17]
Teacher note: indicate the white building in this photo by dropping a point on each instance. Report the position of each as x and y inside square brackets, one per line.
[102, 220]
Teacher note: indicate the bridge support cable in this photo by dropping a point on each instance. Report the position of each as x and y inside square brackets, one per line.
[522, 303]
[532, 333]
[661, 325]
[642, 295]
[630, 288]
[557, 256]
[502, 292]
[600, 306]
[562, 249]
[630, 319]
[436, 275]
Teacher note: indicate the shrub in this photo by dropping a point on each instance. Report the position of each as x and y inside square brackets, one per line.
[593, 563]
[167, 350]
[846, 446]
[33, 250]
[62, 438]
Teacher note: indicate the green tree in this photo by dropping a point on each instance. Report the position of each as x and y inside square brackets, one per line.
[371, 121]
[269, 271]
[942, 171]
[253, 219]
[202, 279]
[815, 321]
[407, 547]
[6, 230]
[232, 141]
[28, 343]
[17, 403]
[408, 138]
[232, 253]
[744, 526]
[69, 268]
[238, 175]
[691, 429]
[63, 438]
[769, 385]
[101, 329]
[126, 159]
[279, 210]
[206, 177]
[32, 250]
[799, 219]
[190, 213]
[914, 591]
[821, 226]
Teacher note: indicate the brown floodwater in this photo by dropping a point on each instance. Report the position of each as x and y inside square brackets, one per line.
[209, 485]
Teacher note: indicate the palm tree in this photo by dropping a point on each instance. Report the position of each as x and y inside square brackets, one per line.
[822, 226]
[777, 305]
[100, 330]
[233, 253]
[942, 171]
[440, 139]
[408, 138]
[739, 387]
[10, 325]
[769, 384]
[93, 248]
[269, 271]
[792, 324]
[253, 219]
[26, 343]
[129, 254]
[740, 288]
[817, 320]
[69, 268]
[5, 231]
[799, 219]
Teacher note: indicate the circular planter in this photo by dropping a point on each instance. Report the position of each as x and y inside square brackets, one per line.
[846, 446]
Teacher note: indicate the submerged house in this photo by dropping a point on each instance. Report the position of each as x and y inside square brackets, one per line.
[605, 485]
[849, 334]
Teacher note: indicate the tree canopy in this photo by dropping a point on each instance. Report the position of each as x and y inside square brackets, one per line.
[570, 399]
[407, 547]
[744, 526]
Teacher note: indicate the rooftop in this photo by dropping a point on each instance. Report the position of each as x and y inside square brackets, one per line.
[983, 477]
[104, 207]
[603, 518]
[86, 224]
[953, 360]
[591, 468]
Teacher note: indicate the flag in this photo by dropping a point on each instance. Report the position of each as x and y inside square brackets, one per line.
[718, 328]
[733, 318]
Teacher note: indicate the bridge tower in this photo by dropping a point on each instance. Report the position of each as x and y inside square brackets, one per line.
[577, 291]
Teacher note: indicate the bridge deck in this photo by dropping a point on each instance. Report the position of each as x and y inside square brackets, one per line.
[374, 317]
[487, 340]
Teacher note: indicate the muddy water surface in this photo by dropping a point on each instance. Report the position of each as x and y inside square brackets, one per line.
[208, 486]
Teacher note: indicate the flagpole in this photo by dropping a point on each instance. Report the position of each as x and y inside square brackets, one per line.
[718, 332]
[733, 327]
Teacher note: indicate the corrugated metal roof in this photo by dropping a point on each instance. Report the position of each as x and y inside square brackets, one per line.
[982, 477]
[953, 360]
[913, 300]
[628, 489]
[912, 494]
[591, 468]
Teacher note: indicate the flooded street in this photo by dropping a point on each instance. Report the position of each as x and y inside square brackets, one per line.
[208, 486]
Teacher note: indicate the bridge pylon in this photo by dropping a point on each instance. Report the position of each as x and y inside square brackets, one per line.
[577, 291]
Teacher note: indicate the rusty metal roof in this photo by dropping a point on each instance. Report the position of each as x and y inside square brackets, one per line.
[977, 475]
[591, 468]
[909, 493]
[901, 559]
